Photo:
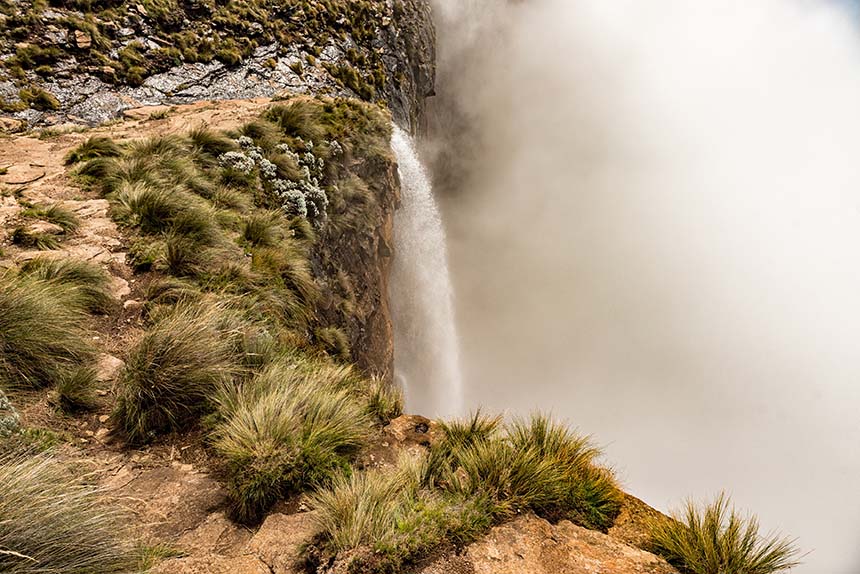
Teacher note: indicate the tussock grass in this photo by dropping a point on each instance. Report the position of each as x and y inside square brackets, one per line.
[56, 214]
[42, 338]
[286, 430]
[52, 523]
[716, 539]
[263, 229]
[479, 473]
[381, 520]
[172, 373]
[206, 141]
[334, 342]
[297, 118]
[384, 401]
[75, 391]
[41, 241]
[288, 266]
[87, 283]
[155, 209]
[96, 146]
[264, 133]
[590, 494]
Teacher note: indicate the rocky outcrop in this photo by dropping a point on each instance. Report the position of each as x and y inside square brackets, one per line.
[395, 64]
[530, 545]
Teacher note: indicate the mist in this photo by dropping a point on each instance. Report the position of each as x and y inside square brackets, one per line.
[653, 215]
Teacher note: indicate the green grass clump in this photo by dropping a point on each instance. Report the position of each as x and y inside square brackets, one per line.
[385, 401]
[37, 240]
[42, 338]
[172, 373]
[96, 146]
[478, 473]
[263, 229]
[56, 214]
[52, 523]
[287, 430]
[39, 99]
[87, 283]
[381, 520]
[206, 141]
[75, 391]
[716, 539]
[334, 342]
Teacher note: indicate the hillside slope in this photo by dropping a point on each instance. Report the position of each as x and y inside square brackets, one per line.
[188, 493]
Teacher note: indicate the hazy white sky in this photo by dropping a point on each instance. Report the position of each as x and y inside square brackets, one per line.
[656, 235]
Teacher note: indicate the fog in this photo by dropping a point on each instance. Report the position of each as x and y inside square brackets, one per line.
[653, 212]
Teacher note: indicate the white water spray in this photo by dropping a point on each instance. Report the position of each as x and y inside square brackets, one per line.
[427, 360]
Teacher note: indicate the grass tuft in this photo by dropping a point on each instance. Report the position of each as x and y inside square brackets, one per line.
[96, 146]
[41, 335]
[385, 401]
[58, 215]
[287, 430]
[716, 539]
[263, 229]
[172, 373]
[52, 523]
[87, 283]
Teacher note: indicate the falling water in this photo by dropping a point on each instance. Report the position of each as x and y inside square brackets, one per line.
[427, 361]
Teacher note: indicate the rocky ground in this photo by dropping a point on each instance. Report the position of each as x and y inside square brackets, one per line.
[172, 488]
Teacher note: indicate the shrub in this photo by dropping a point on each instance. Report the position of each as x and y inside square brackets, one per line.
[96, 146]
[87, 283]
[9, 418]
[41, 336]
[172, 373]
[285, 431]
[52, 523]
[717, 540]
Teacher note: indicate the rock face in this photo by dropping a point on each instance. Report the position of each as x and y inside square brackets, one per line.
[394, 63]
[530, 545]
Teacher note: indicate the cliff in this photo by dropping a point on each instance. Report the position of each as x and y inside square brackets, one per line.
[194, 302]
[84, 62]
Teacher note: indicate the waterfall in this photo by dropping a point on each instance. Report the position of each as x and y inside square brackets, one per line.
[427, 361]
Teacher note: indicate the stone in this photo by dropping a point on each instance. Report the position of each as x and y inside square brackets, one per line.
[530, 545]
[119, 287]
[279, 541]
[132, 305]
[213, 565]
[215, 535]
[82, 40]
[44, 227]
[108, 367]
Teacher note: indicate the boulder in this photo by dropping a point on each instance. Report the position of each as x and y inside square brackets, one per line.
[530, 545]
[213, 565]
[279, 541]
